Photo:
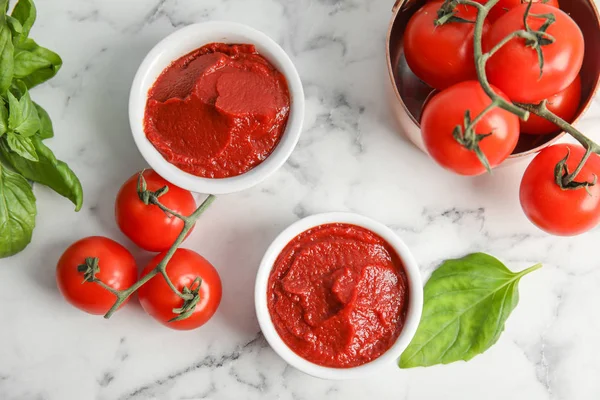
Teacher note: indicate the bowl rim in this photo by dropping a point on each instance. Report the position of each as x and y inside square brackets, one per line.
[183, 41]
[399, 5]
[413, 315]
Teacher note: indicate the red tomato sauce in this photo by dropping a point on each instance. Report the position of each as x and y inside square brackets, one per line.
[218, 111]
[338, 295]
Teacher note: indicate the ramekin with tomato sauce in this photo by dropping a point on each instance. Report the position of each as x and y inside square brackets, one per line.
[216, 107]
[338, 296]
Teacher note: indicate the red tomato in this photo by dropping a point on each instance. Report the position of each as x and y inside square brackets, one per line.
[147, 225]
[447, 109]
[564, 104]
[117, 269]
[503, 6]
[158, 300]
[515, 70]
[554, 210]
[441, 56]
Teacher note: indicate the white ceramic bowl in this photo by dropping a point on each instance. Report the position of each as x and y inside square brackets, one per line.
[184, 41]
[415, 302]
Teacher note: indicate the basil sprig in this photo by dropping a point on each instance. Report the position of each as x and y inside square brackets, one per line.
[466, 304]
[23, 127]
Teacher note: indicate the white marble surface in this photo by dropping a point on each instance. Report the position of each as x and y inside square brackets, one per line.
[350, 157]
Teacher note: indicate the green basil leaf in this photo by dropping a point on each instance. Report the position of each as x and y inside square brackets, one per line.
[23, 117]
[46, 130]
[3, 119]
[466, 303]
[34, 64]
[17, 212]
[25, 13]
[15, 25]
[6, 57]
[48, 171]
[22, 146]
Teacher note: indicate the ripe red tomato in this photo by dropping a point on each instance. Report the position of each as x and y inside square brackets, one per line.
[503, 6]
[117, 269]
[447, 109]
[554, 210]
[564, 104]
[441, 56]
[147, 225]
[158, 300]
[515, 70]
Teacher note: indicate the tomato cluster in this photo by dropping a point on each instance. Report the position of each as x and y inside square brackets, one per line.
[151, 229]
[466, 132]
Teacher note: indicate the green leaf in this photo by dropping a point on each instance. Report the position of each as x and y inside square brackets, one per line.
[3, 119]
[23, 117]
[17, 212]
[46, 130]
[48, 171]
[34, 64]
[6, 57]
[466, 303]
[22, 146]
[15, 25]
[25, 13]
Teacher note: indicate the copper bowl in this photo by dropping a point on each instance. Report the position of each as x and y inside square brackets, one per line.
[409, 94]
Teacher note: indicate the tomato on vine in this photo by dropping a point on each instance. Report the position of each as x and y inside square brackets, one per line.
[562, 205]
[515, 68]
[147, 225]
[564, 104]
[185, 267]
[446, 111]
[94, 259]
[503, 6]
[441, 56]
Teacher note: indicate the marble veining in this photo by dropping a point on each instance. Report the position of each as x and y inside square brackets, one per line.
[350, 158]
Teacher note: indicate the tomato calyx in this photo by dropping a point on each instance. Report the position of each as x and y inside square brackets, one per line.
[566, 180]
[149, 197]
[190, 297]
[467, 137]
[540, 37]
[89, 269]
[447, 14]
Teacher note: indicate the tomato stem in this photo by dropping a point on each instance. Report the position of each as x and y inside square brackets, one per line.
[190, 296]
[535, 39]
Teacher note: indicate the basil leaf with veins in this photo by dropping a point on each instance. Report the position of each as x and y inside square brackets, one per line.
[34, 64]
[17, 212]
[466, 303]
[47, 170]
[22, 146]
[22, 115]
[25, 13]
[7, 51]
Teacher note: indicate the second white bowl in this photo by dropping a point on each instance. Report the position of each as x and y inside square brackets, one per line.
[182, 42]
[415, 301]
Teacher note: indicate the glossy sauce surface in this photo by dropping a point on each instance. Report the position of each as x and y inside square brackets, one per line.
[338, 295]
[218, 111]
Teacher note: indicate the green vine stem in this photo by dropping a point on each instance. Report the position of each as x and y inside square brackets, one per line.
[535, 39]
[190, 295]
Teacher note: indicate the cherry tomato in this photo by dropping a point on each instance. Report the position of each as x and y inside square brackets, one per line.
[564, 104]
[158, 300]
[503, 6]
[441, 56]
[117, 269]
[515, 69]
[554, 210]
[147, 225]
[447, 109]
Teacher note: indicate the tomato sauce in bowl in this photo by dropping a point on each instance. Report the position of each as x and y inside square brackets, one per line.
[218, 111]
[338, 295]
